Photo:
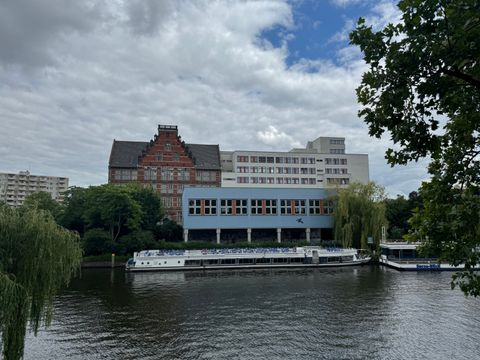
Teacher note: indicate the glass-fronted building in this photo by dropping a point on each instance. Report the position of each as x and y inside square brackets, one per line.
[249, 214]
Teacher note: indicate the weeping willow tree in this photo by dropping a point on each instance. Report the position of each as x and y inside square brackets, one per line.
[37, 257]
[359, 212]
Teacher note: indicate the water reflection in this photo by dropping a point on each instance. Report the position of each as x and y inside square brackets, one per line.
[354, 313]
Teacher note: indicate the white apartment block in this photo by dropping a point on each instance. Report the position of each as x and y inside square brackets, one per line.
[323, 163]
[15, 187]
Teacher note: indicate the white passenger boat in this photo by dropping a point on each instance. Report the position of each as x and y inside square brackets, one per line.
[404, 256]
[239, 258]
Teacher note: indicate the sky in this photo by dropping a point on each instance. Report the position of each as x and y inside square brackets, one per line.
[247, 75]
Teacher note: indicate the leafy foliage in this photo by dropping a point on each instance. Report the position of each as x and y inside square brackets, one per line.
[359, 213]
[423, 88]
[43, 201]
[37, 257]
[109, 217]
[398, 213]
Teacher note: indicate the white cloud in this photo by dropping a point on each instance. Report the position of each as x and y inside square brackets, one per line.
[118, 69]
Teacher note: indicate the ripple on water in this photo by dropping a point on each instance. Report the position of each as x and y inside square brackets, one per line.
[350, 313]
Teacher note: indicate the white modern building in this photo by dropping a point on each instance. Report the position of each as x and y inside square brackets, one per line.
[323, 163]
[15, 187]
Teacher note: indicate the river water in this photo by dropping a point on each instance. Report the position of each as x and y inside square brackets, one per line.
[339, 313]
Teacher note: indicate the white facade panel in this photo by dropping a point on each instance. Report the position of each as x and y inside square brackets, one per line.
[14, 188]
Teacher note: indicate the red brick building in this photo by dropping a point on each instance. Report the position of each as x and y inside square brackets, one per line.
[167, 164]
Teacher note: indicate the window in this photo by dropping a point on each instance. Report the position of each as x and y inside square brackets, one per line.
[286, 207]
[226, 207]
[233, 207]
[166, 188]
[311, 181]
[166, 174]
[270, 180]
[176, 157]
[270, 207]
[168, 147]
[337, 151]
[314, 207]
[279, 160]
[304, 170]
[254, 169]
[206, 176]
[184, 174]
[295, 160]
[343, 161]
[299, 207]
[158, 156]
[270, 159]
[210, 206]
[288, 160]
[125, 174]
[242, 169]
[279, 180]
[254, 159]
[328, 207]
[150, 174]
[262, 159]
[194, 206]
[262, 180]
[256, 207]
[242, 180]
[241, 207]
[241, 158]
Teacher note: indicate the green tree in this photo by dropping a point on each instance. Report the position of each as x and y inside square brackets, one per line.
[398, 212]
[359, 212]
[37, 257]
[423, 89]
[150, 202]
[113, 208]
[43, 201]
[73, 217]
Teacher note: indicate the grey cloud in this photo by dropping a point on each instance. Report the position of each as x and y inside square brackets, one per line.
[28, 28]
[146, 16]
[122, 68]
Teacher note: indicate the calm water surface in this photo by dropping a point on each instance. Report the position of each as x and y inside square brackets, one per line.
[343, 313]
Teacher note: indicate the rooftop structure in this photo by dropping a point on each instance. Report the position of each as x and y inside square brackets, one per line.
[323, 163]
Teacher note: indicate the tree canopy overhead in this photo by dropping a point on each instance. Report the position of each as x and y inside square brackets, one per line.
[423, 89]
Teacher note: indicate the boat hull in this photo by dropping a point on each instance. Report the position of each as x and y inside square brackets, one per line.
[256, 266]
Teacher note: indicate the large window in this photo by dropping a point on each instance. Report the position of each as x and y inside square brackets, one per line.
[256, 206]
[299, 207]
[210, 206]
[206, 176]
[286, 207]
[314, 207]
[270, 207]
[125, 174]
[166, 174]
[242, 158]
[150, 174]
[233, 207]
[184, 174]
[195, 207]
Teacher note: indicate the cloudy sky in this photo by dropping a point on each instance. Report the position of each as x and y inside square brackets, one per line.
[247, 75]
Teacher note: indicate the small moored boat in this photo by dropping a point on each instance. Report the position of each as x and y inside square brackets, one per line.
[239, 258]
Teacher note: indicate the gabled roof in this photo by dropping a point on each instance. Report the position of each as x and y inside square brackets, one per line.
[205, 156]
[125, 154]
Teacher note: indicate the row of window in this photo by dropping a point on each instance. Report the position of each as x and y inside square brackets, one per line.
[276, 159]
[260, 207]
[337, 151]
[275, 170]
[336, 171]
[278, 180]
[337, 141]
[335, 161]
[183, 174]
[125, 174]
